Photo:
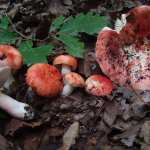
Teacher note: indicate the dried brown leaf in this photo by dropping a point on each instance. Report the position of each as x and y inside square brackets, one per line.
[13, 13]
[57, 9]
[111, 112]
[145, 132]
[70, 136]
[16, 124]
[128, 136]
[5, 145]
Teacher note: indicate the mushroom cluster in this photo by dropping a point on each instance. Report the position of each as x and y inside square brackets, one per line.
[124, 54]
[96, 84]
[66, 64]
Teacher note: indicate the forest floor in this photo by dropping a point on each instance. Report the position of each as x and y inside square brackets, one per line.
[118, 122]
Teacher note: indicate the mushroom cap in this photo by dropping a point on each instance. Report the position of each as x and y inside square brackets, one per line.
[74, 79]
[136, 26]
[125, 56]
[98, 85]
[10, 56]
[45, 78]
[65, 59]
[4, 74]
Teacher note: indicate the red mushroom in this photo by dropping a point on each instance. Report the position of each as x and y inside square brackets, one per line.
[10, 56]
[124, 56]
[74, 80]
[65, 63]
[45, 78]
[98, 85]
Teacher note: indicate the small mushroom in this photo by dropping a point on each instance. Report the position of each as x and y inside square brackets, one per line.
[14, 108]
[10, 56]
[74, 80]
[98, 85]
[45, 78]
[65, 63]
[124, 55]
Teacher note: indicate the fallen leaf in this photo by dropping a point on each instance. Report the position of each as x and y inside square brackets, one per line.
[57, 9]
[128, 136]
[33, 140]
[111, 112]
[69, 136]
[145, 132]
[144, 146]
[16, 124]
[5, 145]
[13, 13]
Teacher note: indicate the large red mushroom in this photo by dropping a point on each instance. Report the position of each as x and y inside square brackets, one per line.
[45, 78]
[124, 54]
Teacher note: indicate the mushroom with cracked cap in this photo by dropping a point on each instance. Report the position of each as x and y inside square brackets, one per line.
[123, 54]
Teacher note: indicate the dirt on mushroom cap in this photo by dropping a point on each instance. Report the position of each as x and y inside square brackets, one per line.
[124, 57]
[74, 79]
[98, 85]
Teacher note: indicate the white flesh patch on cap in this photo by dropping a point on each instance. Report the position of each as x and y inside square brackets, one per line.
[93, 84]
[120, 23]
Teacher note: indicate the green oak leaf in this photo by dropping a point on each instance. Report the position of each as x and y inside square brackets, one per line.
[84, 23]
[7, 37]
[34, 55]
[74, 47]
[57, 23]
[4, 23]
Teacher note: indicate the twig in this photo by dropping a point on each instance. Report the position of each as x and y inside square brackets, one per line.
[69, 97]
[139, 97]
[16, 29]
[98, 148]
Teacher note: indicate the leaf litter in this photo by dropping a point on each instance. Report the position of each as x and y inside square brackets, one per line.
[119, 123]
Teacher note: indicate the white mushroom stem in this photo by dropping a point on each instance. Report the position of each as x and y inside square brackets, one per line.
[16, 109]
[65, 69]
[67, 90]
[4, 74]
[9, 81]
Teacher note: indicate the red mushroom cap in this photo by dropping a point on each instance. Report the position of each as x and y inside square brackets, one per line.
[45, 78]
[124, 57]
[74, 79]
[10, 56]
[65, 59]
[98, 85]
